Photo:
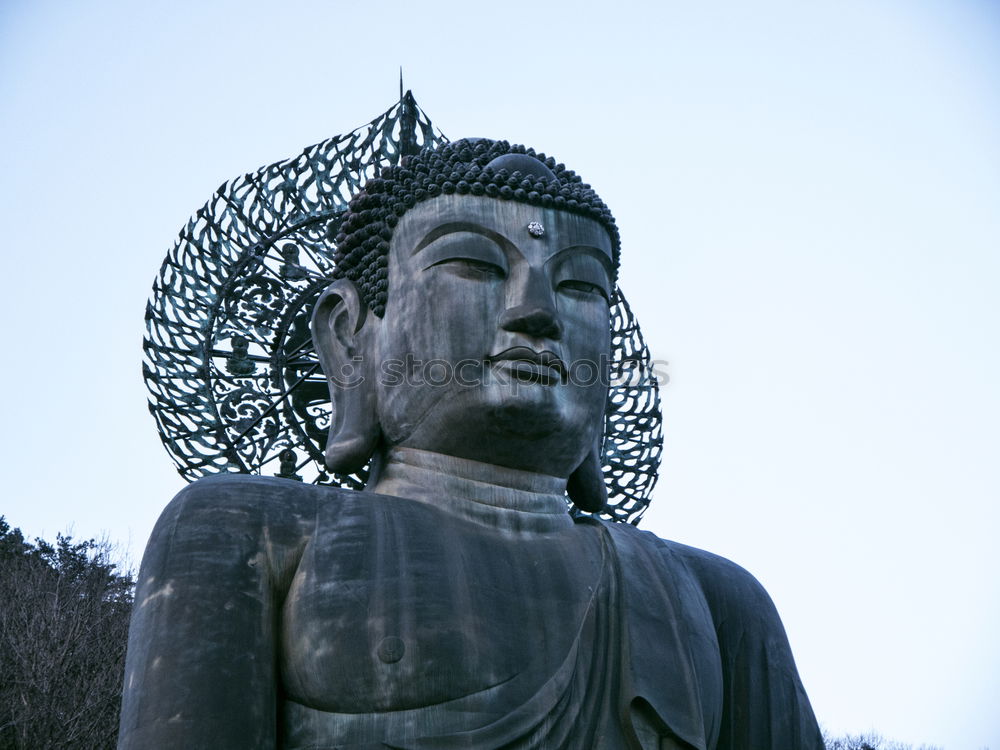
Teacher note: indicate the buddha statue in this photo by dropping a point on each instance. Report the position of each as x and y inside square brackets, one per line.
[455, 602]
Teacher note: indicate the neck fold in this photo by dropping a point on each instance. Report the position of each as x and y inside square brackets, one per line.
[509, 499]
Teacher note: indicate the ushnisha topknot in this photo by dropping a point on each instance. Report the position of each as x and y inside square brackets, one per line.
[466, 167]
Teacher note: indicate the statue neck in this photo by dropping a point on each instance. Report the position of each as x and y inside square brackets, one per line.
[509, 499]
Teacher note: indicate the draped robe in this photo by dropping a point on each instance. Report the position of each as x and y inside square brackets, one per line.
[272, 614]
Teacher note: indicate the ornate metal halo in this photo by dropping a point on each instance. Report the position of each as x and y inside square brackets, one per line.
[234, 383]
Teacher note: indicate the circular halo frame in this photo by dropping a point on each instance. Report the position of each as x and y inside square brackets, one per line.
[234, 383]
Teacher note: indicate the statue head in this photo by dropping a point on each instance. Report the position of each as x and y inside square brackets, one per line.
[471, 315]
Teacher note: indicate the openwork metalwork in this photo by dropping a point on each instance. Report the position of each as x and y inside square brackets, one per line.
[234, 382]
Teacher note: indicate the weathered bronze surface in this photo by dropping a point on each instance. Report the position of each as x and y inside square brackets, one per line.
[454, 601]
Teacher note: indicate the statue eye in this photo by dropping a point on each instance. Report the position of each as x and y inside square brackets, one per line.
[472, 268]
[583, 275]
[465, 254]
[586, 288]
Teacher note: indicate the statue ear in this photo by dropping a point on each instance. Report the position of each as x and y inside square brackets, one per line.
[337, 334]
[586, 486]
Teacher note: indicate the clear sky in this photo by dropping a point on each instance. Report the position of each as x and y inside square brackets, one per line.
[809, 199]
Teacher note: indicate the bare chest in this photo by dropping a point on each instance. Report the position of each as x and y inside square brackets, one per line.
[383, 618]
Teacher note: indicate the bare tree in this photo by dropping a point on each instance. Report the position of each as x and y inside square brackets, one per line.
[64, 612]
[868, 741]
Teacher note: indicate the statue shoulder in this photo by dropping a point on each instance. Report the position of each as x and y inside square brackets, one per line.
[241, 498]
[725, 584]
[232, 500]
[238, 515]
[727, 588]
[202, 642]
[767, 706]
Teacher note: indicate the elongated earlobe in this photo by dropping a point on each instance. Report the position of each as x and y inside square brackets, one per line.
[352, 441]
[337, 333]
[586, 486]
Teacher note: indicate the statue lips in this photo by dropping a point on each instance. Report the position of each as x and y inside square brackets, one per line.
[529, 366]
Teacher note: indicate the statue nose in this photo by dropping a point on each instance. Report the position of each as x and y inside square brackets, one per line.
[532, 320]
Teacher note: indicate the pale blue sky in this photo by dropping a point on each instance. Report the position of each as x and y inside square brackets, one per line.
[808, 195]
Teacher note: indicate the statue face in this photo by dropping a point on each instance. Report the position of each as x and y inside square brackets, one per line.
[495, 338]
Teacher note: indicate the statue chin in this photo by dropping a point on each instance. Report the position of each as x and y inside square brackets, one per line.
[528, 426]
[540, 438]
[508, 436]
[515, 421]
[555, 420]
